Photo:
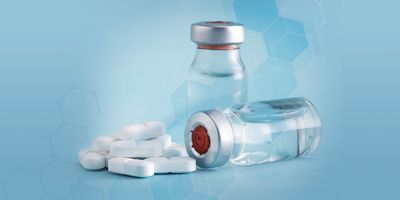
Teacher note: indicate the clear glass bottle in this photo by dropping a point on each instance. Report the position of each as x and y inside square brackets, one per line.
[217, 77]
[253, 133]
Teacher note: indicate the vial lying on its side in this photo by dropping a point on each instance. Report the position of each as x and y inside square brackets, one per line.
[254, 133]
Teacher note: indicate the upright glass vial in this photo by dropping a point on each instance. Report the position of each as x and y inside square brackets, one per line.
[217, 77]
[253, 133]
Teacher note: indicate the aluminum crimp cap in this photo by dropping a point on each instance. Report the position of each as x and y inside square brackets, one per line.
[209, 138]
[217, 33]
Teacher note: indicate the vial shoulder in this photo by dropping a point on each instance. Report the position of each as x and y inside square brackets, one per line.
[217, 71]
[270, 111]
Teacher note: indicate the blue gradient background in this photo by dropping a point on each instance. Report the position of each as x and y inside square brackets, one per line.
[72, 70]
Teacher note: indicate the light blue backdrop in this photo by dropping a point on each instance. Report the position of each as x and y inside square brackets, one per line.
[72, 70]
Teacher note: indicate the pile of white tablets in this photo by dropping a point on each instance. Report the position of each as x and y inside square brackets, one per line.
[139, 150]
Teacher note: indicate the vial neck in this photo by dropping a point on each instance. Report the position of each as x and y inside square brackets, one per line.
[216, 54]
[218, 47]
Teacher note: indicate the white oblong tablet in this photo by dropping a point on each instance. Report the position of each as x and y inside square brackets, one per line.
[161, 164]
[152, 147]
[155, 126]
[138, 168]
[130, 149]
[116, 165]
[183, 164]
[92, 160]
[108, 156]
[132, 132]
[146, 151]
[176, 150]
[131, 167]
[102, 143]
[173, 165]
[122, 148]
[143, 131]
[163, 141]
[82, 153]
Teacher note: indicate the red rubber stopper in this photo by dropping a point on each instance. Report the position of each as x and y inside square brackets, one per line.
[200, 140]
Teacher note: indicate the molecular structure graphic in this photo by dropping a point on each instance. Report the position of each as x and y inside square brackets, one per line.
[59, 178]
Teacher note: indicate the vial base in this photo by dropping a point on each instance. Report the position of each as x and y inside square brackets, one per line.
[275, 147]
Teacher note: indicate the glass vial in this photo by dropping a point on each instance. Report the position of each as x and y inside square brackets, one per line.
[253, 133]
[217, 77]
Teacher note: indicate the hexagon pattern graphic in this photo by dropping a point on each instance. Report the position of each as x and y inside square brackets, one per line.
[79, 107]
[180, 187]
[87, 193]
[197, 195]
[36, 159]
[95, 179]
[256, 14]
[273, 83]
[60, 179]
[308, 11]
[130, 188]
[76, 139]
[285, 39]
[178, 101]
[2, 193]
[253, 51]
[24, 185]
[160, 187]
[50, 198]
[7, 168]
[212, 183]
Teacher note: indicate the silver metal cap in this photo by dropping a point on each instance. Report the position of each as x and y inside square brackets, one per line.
[217, 33]
[218, 133]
